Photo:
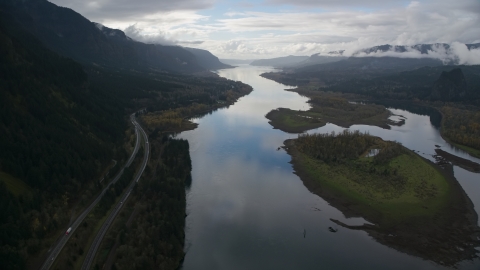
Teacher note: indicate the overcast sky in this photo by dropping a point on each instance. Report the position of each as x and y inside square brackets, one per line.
[247, 29]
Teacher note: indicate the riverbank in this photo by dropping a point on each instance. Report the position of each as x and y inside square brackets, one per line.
[461, 162]
[453, 126]
[429, 215]
[460, 124]
[178, 120]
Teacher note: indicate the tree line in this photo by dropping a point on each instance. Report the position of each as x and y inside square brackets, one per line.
[155, 237]
[462, 126]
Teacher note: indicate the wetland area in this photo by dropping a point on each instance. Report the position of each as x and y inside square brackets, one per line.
[247, 207]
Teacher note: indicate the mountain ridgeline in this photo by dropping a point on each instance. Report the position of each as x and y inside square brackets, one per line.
[294, 62]
[378, 59]
[386, 71]
[207, 60]
[422, 49]
[70, 34]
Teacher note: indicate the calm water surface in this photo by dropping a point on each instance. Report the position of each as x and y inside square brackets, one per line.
[248, 210]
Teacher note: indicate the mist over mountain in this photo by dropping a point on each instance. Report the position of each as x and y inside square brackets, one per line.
[450, 54]
[383, 57]
[70, 34]
[371, 63]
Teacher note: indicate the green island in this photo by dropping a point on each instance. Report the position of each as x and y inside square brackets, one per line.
[460, 114]
[330, 108]
[415, 206]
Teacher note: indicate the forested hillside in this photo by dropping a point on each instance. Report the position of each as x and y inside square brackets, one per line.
[58, 133]
[417, 83]
[70, 34]
[62, 124]
[151, 234]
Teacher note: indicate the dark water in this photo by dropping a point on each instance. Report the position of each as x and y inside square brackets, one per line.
[247, 210]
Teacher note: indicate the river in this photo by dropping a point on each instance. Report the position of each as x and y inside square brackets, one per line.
[248, 210]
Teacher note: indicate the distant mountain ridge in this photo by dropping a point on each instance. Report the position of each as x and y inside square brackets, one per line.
[384, 58]
[450, 86]
[285, 61]
[422, 49]
[292, 61]
[372, 64]
[237, 61]
[206, 59]
[70, 34]
[318, 58]
[373, 54]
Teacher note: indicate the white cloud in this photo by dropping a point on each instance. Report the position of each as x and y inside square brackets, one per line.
[413, 23]
[159, 37]
[465, 56]
[99, 10]
[303, 27]
[337, 3]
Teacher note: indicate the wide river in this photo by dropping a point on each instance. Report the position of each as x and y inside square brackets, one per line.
[248, 210]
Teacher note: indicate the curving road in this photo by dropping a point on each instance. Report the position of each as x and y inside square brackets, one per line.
[103, 230]
[63, 240]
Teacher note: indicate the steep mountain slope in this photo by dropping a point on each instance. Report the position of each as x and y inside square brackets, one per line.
[70, 34]
[48, 95]
[57, 134]
[206, 59]
[450, 86]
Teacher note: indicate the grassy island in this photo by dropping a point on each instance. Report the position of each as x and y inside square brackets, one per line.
[330, 108]
[415, 206]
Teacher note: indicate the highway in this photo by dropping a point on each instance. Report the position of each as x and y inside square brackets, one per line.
[64, 239]
[103, 230]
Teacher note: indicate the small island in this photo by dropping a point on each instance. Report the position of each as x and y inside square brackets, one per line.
[330, 108]
[415, 206]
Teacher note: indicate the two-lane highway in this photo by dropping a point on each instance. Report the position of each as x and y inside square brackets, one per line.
[64, 239]
[103, 230]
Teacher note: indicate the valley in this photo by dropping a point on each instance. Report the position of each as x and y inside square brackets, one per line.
[126, 143]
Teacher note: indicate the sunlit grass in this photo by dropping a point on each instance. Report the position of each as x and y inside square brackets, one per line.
[391, 204]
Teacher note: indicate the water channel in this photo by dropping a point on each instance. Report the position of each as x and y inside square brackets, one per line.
[248, 210]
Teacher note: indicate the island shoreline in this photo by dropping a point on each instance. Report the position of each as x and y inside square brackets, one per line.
[460, 210]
